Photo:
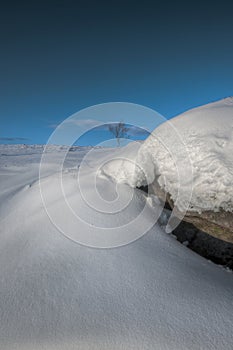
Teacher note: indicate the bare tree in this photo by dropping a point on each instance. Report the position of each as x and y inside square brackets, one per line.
[119, 130]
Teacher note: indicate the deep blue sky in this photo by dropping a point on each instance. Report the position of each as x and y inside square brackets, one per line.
[58, 57]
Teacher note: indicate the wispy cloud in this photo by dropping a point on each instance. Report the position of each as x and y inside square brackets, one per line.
[86, 123]
[13, 139]
[53, 125]
[82, 123]
[132, 132]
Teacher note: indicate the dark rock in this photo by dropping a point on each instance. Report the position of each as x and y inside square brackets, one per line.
[211, 248]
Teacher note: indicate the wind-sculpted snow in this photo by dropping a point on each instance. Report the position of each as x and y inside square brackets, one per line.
[56, 294]
[191, 158]
[207, 133]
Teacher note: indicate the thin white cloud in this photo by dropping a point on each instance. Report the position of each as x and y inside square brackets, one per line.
[11, 139]
[86, 123]
[82, 123]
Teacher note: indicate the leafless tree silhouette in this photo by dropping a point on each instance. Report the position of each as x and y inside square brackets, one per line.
[119, 130]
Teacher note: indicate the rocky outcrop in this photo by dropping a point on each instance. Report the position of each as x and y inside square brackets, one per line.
[217, 224]
[209, 247]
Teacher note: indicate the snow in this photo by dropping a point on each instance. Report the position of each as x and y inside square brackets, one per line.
[190, 157]
[57, 294]
[123, 167]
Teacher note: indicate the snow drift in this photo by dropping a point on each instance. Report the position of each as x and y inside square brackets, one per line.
[57, 294]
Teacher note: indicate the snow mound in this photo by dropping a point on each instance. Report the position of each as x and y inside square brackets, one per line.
[123, 168]
[190, 157]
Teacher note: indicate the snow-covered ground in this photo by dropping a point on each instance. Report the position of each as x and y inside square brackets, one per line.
[152, 294]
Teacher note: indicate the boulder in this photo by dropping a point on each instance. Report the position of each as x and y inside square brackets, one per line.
[188, 162]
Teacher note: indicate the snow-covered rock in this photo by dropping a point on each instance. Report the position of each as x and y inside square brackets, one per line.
[188, 160]
[192, 159]
[205, 135]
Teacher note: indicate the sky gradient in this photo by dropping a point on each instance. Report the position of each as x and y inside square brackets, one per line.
[58, 57]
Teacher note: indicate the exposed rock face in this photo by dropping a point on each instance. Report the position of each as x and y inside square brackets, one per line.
[211, 248]
[217, 224]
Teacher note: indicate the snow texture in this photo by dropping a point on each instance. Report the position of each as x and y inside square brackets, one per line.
[190, 157]
[153, 294]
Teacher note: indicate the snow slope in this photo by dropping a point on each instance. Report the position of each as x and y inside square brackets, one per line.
[152, 294]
